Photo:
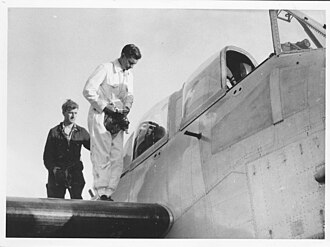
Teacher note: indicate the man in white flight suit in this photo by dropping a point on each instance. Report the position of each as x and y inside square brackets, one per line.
[109, 89]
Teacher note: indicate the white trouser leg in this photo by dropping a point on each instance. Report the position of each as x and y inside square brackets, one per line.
[116, 160]
[106, 155]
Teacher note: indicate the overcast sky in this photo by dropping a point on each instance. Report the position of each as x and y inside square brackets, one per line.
[52, 51]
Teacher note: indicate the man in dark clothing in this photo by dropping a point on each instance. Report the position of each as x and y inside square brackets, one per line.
[62, 155]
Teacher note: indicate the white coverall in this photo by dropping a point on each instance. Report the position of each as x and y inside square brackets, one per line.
[108, 84]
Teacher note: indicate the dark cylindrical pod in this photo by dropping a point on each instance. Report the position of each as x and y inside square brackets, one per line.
[56, 218]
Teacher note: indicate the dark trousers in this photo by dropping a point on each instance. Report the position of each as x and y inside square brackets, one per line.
[57, 189]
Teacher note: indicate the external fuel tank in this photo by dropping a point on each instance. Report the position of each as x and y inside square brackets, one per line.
[58, 218]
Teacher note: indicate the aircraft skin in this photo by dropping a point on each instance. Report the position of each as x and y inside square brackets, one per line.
[239, 161]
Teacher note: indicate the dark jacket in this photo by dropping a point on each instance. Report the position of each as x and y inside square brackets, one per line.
[63, 153]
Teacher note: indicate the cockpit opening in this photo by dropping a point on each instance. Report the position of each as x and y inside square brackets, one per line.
[148, 134]
[238, 67]
[151, 131]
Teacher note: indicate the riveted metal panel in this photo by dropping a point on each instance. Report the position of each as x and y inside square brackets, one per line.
[316, 85]
[217, 166]
[138, 189]
[300, 125]
[254, 111]
[317, 117]
[285, 193]
[195, 222]
[123, 189]
[151, 179]
[293, 83]
[230, 206]
[176, 180]
[225, 212]
[185, 177]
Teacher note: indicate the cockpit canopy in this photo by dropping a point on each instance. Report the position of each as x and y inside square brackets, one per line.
[222, 71]
[219, 73]
[294, 31]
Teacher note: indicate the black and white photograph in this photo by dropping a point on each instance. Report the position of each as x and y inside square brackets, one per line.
[147, 122]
